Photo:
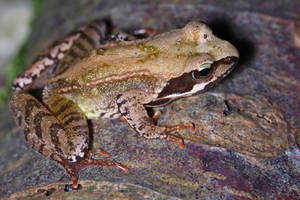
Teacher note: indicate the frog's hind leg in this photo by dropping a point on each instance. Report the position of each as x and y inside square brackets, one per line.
[88, 38]
[59, 131]
[72, 118]
[58, 57]
[135, 114]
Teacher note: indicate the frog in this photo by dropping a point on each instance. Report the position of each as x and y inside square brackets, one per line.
[94, 74]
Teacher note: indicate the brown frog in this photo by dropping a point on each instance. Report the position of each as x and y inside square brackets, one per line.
[90, 78]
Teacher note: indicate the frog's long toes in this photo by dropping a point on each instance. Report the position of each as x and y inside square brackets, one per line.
[123, 167]
[90, 153]
[85, 163]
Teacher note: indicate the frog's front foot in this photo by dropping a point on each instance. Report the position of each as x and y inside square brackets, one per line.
[177, 127]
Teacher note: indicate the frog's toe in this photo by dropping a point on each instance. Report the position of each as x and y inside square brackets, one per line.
[85, 163]
[91, 152]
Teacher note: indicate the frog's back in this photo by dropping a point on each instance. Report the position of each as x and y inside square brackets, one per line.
[154, 56]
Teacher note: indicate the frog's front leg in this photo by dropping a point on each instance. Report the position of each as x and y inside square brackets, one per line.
[59, 131]
[135, 114]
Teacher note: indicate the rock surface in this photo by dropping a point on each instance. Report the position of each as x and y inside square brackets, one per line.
[247, 128]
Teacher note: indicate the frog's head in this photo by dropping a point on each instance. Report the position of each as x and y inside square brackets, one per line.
[208, 60]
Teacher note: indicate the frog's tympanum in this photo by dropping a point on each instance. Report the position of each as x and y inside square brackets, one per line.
[89, 76]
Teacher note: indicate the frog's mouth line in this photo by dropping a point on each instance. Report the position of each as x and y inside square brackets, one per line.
[176, 89]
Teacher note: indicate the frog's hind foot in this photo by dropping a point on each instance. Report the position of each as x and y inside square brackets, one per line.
[87, 162]
[91, 152]
[74, 168]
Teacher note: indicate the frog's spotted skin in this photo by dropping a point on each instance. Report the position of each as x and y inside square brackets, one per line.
[90, 78]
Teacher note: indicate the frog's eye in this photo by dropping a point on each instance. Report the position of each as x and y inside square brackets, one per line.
[204, 71]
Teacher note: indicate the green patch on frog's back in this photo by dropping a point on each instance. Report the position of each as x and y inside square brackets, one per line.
[96, 72]
[184, 42]
[152, 52]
